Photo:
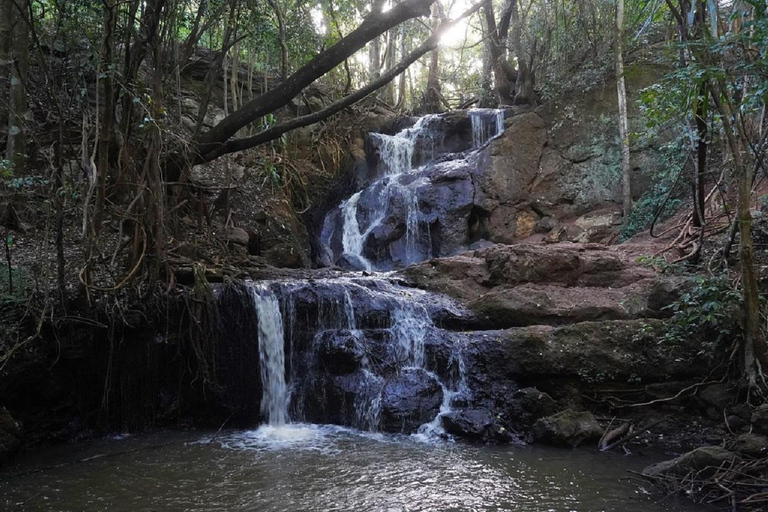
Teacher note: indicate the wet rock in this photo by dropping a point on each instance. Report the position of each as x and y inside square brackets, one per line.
[340, 352]
[567, 428]
[704, 461]
[752, 445]
[408, 400]
[475, 424]
[333, 399]
[10, 434]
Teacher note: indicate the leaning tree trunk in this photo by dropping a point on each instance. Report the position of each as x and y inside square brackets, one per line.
[622, 96]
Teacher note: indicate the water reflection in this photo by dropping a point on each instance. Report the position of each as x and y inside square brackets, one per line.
[314, 468]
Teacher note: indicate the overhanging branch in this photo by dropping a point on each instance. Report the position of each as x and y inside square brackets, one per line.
[276, 131]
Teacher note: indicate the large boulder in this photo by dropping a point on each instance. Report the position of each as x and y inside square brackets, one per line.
[410, 399]
[567, 428]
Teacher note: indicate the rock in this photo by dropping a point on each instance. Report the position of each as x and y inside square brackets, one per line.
[545, 225]
[532, 404]
[704, 461]
[10, 434]
[285, 255]
[409, 400]
[567, 428]
[475, 424]
[752, 445]
[236, 235]
[716, 395]
[734, 422]
[340, 352]
[760, 419]
[587, 352]
[557, 235]
[525, 284]
[599, 226]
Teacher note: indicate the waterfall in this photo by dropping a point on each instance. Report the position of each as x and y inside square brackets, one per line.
[396, 153]
[394, 220]
[396, 156]
[274, 399]
[487, 124]
[351, 238]
[410, 322]
[372, 323]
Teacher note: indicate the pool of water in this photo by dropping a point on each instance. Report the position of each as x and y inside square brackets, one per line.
[320, 468]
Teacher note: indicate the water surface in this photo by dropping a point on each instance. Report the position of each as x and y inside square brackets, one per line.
[321, 468]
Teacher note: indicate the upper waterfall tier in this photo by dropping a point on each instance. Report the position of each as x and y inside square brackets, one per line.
[395, 218]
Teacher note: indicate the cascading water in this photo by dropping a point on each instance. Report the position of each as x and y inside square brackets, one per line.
[486, 125]
[274, 400]
[396, 156]
[361, 361]
[386, 224]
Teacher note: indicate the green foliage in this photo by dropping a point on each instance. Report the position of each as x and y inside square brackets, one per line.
[6, 169]
[709, 311]
[644, 210]
[660, 265]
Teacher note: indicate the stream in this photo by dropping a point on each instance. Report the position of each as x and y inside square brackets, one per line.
[303, 467]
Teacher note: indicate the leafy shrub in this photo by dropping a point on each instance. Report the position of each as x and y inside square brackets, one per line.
[710, 311]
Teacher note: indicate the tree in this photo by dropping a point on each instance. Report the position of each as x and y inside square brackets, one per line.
[15, 149]
[622, 97]
[218, 140]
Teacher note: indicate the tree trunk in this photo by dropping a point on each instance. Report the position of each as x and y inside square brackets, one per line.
[524, 94]
[107, 111]
[503, 75]
[700, 115]
[281, 38]
[390, 59]
[486, 82]
[755, 350]
[432, 97]
[622, 96]
[401, 85]
[15, 148]
[6, 12]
